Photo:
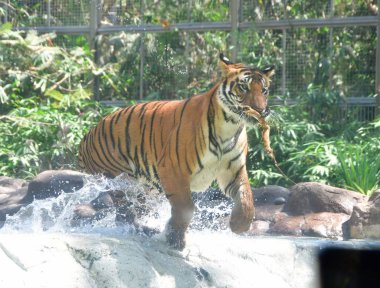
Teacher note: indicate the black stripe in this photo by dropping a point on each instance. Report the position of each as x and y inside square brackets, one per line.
[100, 166]
[226, 96]
[213, 143]
[106, 164]
[198, 159]
[118, 114]
[234, 159]
[127, 136]
[232, 84]
[111, 132]
[178, 129]
[143, 154]
[125, 158]
[114, 163]
[151, 142]
[142, 114]
[233, 187]
[234, 141]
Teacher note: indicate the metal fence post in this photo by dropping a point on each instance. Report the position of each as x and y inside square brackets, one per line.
[377, 88]
[283, 71]
[234, 17]
[142, 54]
[94, 25]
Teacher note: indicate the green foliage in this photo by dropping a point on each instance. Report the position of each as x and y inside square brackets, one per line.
[33, 67]
[350, 158]
[359, 168]
[44, 136]
[45, 79]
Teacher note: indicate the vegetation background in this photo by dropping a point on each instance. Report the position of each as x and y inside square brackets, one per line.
[47, 82]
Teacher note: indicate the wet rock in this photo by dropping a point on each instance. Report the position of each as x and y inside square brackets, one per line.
[365, 219]
[8, 184]
[314, 197]
[104, 200]
[271, 194]
[52, 183]
[279, 201]
[269, 201]
[324, 224]
[16, 193]
[259, 227]
[13, 194]
[311, 209]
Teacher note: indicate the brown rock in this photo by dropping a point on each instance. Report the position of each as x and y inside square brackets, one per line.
[288, 226]
[311, 197]
[267, 212]
[259, 227]
[365, 219]
[13, 194]
[324, 224]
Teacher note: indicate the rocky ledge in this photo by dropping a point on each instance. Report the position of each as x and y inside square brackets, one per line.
[305, 209]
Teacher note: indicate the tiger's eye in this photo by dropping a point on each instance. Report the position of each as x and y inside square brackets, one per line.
[243, 87]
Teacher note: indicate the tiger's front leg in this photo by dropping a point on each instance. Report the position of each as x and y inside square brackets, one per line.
[236, 185]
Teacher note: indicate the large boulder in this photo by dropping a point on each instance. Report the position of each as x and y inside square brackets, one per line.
[270, 195]
[16, 193]
[12, 195]
[365, 219]
[312, 197]
[52, 183]
[323, 224]
[307, 209]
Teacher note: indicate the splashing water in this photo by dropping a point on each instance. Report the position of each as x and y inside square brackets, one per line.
[56, 214]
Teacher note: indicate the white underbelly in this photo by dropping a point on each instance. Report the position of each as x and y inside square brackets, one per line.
[203, 179]
[214, 167]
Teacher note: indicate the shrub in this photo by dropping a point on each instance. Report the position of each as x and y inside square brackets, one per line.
[45, 136]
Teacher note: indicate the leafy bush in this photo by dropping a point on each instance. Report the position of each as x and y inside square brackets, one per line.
[359, 169]
[305, 152]
[44, 136]
[32, 66]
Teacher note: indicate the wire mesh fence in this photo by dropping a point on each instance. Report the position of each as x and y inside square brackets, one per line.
[169, 49]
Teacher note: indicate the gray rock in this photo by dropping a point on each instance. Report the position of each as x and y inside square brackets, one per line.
[271, 194]
[16, 193]
[52, 183]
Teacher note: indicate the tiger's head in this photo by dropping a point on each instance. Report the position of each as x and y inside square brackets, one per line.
[244, 90]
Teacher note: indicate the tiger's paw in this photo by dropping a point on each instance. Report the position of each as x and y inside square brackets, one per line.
[175, 238]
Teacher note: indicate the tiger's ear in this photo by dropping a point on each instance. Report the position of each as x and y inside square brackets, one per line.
[269, 71]
[225, 64]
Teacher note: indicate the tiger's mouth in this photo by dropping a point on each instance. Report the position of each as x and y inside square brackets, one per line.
[250, 112]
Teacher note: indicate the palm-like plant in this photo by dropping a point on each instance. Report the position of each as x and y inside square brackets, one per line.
[359, 169]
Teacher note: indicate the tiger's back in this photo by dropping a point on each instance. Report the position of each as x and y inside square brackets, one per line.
[134, 140]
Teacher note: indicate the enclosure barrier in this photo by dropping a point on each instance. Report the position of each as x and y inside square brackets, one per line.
[94, 18]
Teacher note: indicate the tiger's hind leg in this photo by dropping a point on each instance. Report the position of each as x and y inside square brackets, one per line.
[177, 190]
[236, 185]
[181, 214]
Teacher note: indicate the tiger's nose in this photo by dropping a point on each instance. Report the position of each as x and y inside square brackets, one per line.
[265, 112]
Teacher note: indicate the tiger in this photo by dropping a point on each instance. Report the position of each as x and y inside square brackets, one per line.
[182, 146]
